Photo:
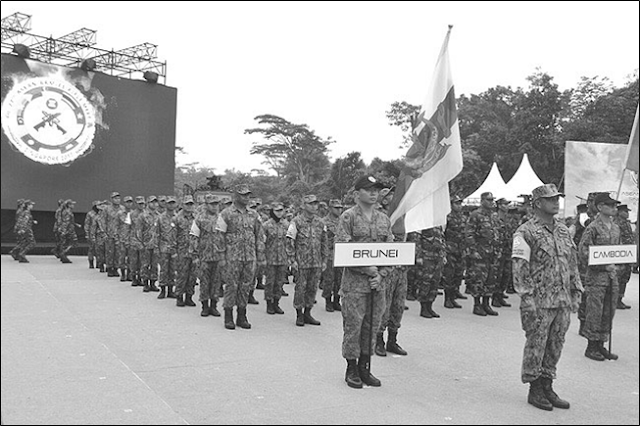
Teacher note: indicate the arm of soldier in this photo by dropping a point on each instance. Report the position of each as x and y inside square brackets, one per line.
[575, 283]
[173, 238]
[588, 239]
[221, 227]
[260, 239]
[324, 247]
[343, 235]
[290, 243]
[414, 237]
[469, 238]
[522, 282]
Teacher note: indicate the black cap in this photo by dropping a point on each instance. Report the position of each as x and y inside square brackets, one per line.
[366, 182]
[605, 198]
[624, 207]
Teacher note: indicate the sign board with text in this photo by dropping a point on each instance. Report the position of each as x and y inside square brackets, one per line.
[374, 254]
[607, 255]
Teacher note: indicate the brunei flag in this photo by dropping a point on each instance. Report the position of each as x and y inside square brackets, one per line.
[421, 198]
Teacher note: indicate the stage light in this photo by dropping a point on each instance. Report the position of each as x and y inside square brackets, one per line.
[151, 77]
[22, 51]
[88, 65]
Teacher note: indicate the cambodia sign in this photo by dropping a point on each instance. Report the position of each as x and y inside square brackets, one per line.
[607, 255]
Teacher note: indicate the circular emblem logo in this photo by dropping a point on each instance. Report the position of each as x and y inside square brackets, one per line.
[48, 120]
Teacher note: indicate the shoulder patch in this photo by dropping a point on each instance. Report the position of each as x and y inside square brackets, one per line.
[520, 248]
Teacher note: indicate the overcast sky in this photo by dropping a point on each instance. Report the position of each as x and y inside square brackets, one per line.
[337, 67]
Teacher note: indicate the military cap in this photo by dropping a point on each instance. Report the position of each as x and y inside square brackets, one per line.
[151, 198]
[60, 201]
[322, 204]
[242, 188]
[94, 203]
[277, 205]
[29, 202]
[366, 182]
[502, 201]
[171, 199]
[487, 196]
[624, 207]
[335, 203]
[310, 199]
[188, 199]
[115, 194]
[140, 199]
[69, 201]
[227, 200]
[128, 198]
[258, 201]
[545, 191]
[605, 198]
[162, 198]
[211, 199]
[581, 208]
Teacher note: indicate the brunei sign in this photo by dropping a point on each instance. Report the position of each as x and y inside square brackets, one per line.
[607, 255]
[374, 254]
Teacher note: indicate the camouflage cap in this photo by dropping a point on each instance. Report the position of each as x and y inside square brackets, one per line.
[188, 199]
[310, 199]
[545, 191]
[171, 199]
[140, 199]
[115, 194]
[162, 198]
[128, 198]
[29, 202]
[277, 205]
[335, 203]
[211, 199]
[502, 201]
[605, 198]
[242, 188]
[487, 196]
[69, 201]
[581, 208]
[322, 204]
[151, 198]
[227, 200]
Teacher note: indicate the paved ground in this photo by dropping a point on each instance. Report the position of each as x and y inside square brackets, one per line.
[78, 348]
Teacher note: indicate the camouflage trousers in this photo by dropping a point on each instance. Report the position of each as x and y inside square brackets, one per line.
[357, 321]
[395, 296]
[92, 250]
[306, 287]
[123, 252]
[210, 274]
[167, 269]
[331, 279]
[597, 310]
[135, 258]
[185, 276]
[110, 252]
[100, 251]
[545, 330]
[453, 271]
[624, 275]
[25, 242]
[261, 271]
[149, 264]
[412, 280]
[239, 276]
[276, 275]
[504, 277]
[428, 276]
[481, 276]
[67, 242]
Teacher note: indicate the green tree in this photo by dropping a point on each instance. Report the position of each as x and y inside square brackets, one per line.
[344, 172]
[401, 114]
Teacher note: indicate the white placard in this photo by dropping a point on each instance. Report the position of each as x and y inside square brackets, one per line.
[374, 254]
[607, 255]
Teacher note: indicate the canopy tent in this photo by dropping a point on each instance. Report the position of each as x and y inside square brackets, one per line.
[523, 181]
[493, 183]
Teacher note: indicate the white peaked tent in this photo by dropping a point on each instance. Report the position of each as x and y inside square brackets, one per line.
[523, 181]
[494, 183]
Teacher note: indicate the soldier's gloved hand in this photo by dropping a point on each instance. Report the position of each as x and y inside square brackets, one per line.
[371, 271]
[375, 281]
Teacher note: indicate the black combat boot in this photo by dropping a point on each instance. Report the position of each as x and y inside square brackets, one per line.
[14, 254]
[65, 259]
[308, 319]
[329, 304]
[495, 301]
[276, 307]
[205, 309]
[554, 399]
[129, 275]
[228, 319]
[22, 259]
[478, 309]
[135, 281]
[163, 292]
[351, 376]
[252, 300]
[536, 396]
[153, 287]
[213, 310]
[91, 265]
[242, 321]
[111, 272]
[365, 374]
[147, 286]
[338, 307]
[299, 318]
[503, 300]
[593, 351]
[605, 352]
[487, 308]
[102, 268]
[180, 301]
[188, 301]
[459, 295]
[433, 313]
[393, 346]
[452, 298]
[123, 275]
[380, 350]
[424, 310]
[270, 309]
[170, 293]
[448, 299]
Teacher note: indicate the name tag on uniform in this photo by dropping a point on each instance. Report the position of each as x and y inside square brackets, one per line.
[607, 255]
[374, 254]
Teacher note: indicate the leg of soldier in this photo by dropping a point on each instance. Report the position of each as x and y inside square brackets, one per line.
[398, 297]
[231, 284]
[366, 335]
[354, 308]
[134, 264]
[155, 263]
[327, 284]
[311, 289]
[182, 275]
[337, 279]
[110, 249]
[145, 265]
[207, 281]
[536, 326]
[271, 283]
[100, 254]
[624, 275]
[190, 281]
[389, 289]
[165, 259]
[280, 276]
[476, 277]
[246, 282]
[412, 282]
[90, 252]
[30, 243]
[609, 308]
[561, 319]
[592, 326]
[300, 289]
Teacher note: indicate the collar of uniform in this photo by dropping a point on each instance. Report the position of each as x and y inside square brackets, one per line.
[359, 211]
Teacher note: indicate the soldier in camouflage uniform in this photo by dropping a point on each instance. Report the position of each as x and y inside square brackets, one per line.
[56, 229]
[275, 232]
[430, 258]
[331, 276]
[601, 285]
[547, 280]
[626, 237]
[136, 246]
[67, 230]
[167, 248]
[186, 266]
[207, 251]
[506, 228]
[243, 247]
[308, 252]
[146, 232]
[24, 231]
[162, 205]
[14, 250]
[125, 225]
[482, 241]
[99, 235]
[88, 224]
[453, 271]
[112, 221]
[362, 287]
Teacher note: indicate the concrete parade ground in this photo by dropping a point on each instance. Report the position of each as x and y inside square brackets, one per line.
[81, 348]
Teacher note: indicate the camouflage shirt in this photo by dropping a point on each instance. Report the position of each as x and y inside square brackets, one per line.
[99, 226]
[167, 233]
[308, 241]
[67, 222]
[276, 241]
[206, 241]
[243, 236]
[544, 264]
[454, 232]
[145, 230]
[112, 220]
[597, 234]
[24, 222]
[430, 243]
[125, 226]
[482, 234]
[626, 232]
[331, 223]
[183, 222]
[88, 224]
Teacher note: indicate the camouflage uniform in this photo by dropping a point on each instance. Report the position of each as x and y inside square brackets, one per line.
[186, 269]
[146, 233]
[56, 229]
[112, 222]
[483, 245]
[207, 246]
[67, 230]
[355, 288]
[546, 277]
[308, 247]
[87, 226]
[277, 260]
[395, 296]
[24, 231]
[624, 269]
[167, 249]
[99, 235]
[453, 271]
[125, 227]
[601, 286]
[135, 245]
[430, 255]
[331, 276]
[504, 279]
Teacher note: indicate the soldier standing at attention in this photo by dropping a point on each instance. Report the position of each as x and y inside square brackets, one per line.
[167, 248]
[430, 258]
[275, 232]
[503, 271]
[243, 247]
[67, 230]
[162, 204]
[186, 269]
[146, 233]
[453, 271]
[100, 235]
[601, 284]
[482, 240]
[546, 277]
[112, 220]
[331, 276]
[362, 223]
[24, 231]
[626, 237]
[124, 231]
[307, 251]
[136, 246]
[56, 229]
[88, 224]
